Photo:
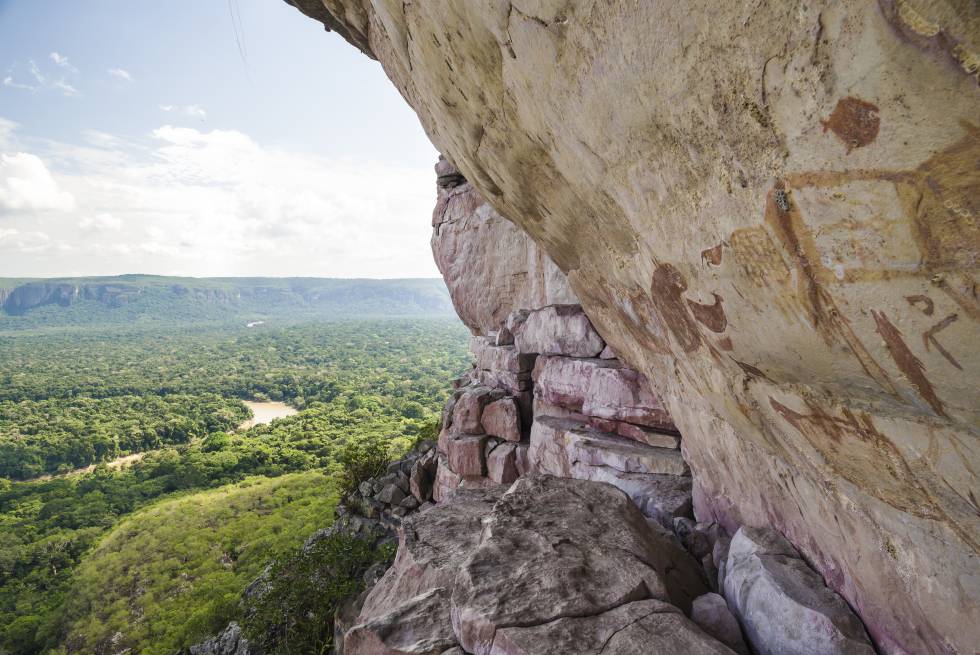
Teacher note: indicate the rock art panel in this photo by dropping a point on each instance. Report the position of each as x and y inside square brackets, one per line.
[744, 198]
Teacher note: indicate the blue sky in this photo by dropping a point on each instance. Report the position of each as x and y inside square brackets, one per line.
[156, 137]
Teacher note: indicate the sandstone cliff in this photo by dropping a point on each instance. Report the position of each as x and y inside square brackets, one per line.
[770, 212]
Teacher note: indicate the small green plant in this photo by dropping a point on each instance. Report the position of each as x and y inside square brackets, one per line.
[294, 614]
[362, 459]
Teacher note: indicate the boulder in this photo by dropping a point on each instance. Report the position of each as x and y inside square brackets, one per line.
[646, 627]
[558, 330]
[391, 494]
[491, 357]
[408, 611]
[712, 615]
[501, 418]
[502, 464]
[446, 480]
[230, 641]
[783, 605]
[466, 455]
[469, 408]
[554, 548]
[420, 479]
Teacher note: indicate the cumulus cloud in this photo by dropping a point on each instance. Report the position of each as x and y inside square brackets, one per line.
[217, 202]
[121, 73]
[195, 111]
[26, 184]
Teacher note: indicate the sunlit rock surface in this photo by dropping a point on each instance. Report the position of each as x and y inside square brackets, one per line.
[769, 210]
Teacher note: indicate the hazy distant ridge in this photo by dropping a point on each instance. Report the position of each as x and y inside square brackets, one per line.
[145, 298]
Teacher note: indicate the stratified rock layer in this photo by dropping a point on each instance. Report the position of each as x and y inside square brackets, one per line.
[770, 210]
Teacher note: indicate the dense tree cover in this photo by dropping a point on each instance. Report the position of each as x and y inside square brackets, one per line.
[358, 383]
[57, 434]
[406, 363]
[171, 574]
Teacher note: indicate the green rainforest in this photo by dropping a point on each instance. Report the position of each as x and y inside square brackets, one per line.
[135, 504]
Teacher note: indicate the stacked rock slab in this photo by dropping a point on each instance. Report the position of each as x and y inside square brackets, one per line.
[540, 399]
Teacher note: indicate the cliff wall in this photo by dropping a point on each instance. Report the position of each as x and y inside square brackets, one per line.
[770, 212]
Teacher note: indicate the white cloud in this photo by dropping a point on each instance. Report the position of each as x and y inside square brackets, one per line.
[9, 81]
[195, 111]
[36, 72]
[43, 80]
[62, 61]
[101, 222]
[14, 240]
[26, 184]
[216, 202]
[65, 88]
[121, 73]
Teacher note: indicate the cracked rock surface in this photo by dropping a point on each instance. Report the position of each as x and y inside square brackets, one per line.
[497, 569]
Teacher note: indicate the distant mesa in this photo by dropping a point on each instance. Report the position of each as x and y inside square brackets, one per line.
[147, 299]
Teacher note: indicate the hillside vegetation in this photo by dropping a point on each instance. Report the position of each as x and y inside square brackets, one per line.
[172, 573]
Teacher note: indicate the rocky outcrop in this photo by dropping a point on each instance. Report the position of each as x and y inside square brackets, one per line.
[548, 566]
[490, 265]
[783, 604]
[769, 210]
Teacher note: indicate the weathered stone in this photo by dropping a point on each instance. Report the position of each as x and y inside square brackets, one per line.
[780, 243]
[557, 445]
[491, 357]
[409, 502]
[446, 480]
[469, 409]
[366, 489]
[420, 479]
[390, 495]
[607, 353]
[712, 615]
[230, 641]
[656, 438]
[622, 394]
[554, 548]
[502, 464]
[558, 330]
[783, 604]
[466, 455]
[416, 626]
[646, 627]
[490, 266]
[564, 381]
[513, 383]
[521, 460]
[431, 547]
[501, 418]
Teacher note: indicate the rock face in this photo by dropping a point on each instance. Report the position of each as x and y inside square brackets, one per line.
[490, 265]
[782, 603]
[549, 566]
[769, 210]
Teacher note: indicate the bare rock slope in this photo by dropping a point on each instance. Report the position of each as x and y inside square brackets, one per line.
[769, 210]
